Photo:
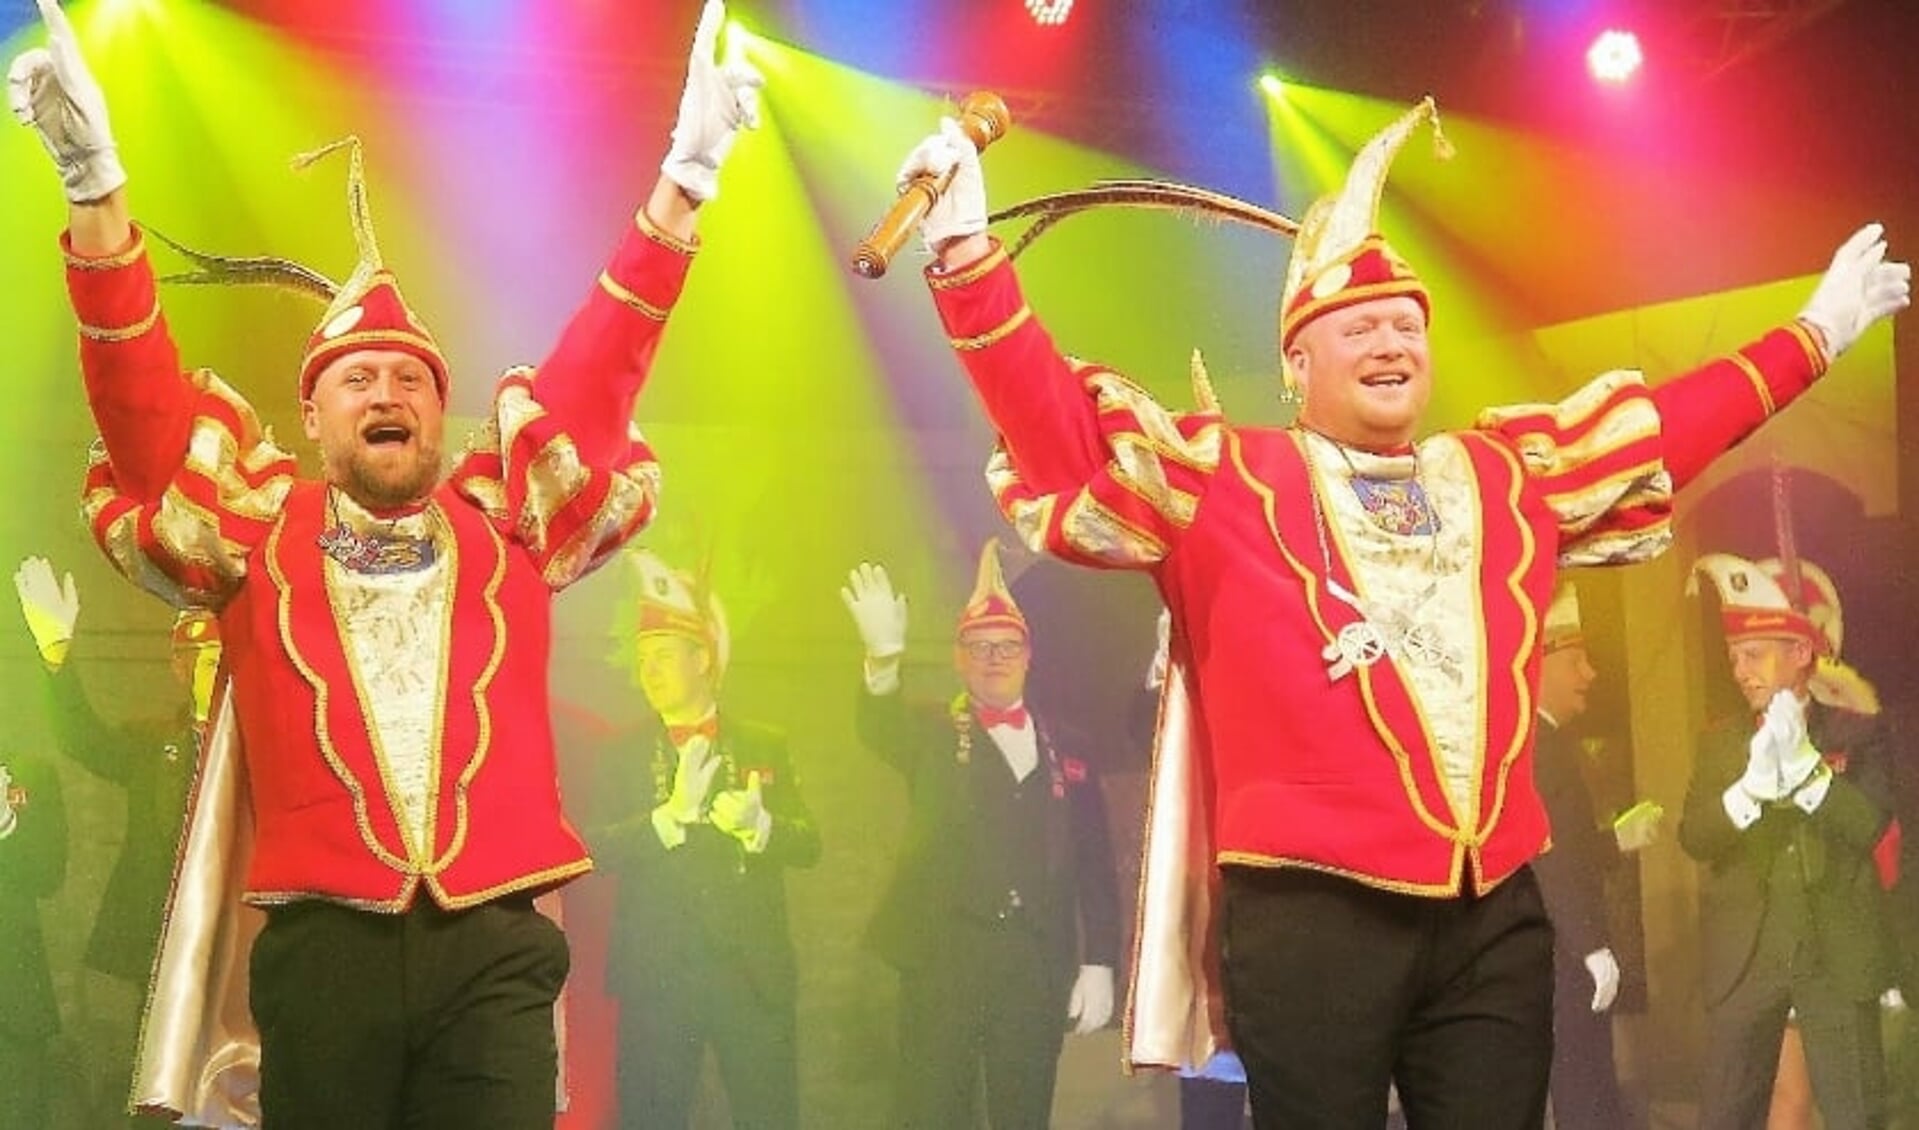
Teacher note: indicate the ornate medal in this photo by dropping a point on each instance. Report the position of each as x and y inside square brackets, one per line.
[1398, 506]
[1359, 644]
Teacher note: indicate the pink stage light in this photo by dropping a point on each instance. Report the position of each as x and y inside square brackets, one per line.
[1614, 56]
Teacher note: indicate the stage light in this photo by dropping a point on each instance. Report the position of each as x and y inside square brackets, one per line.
[1049, 13]
[1614, 56]
[1272, 84]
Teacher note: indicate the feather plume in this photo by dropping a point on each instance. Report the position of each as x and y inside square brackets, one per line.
[1165, 196]
[259, 270]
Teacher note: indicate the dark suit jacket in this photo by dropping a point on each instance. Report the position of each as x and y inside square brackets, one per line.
[1572, 875]
[33, 864]
[708, 904]
[153, 760]
[1076, 906]
[1833, 848]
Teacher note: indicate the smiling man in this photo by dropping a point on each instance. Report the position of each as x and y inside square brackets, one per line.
[1002, 919]
[387, 628]
[1348, 725]
[1783, 812]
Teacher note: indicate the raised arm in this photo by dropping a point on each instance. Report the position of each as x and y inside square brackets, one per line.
[51, 609]
[591, 379]
[882, 718]
[1707, 411]
[132, 370]
[1090, 468]
[562, 466]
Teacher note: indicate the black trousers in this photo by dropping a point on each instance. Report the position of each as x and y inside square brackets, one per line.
[992, 1003]
[1210, 1104]
[1843, 1053]
[1585, 1086]
[1335, 990]
[667, 1025]
[427, 1020]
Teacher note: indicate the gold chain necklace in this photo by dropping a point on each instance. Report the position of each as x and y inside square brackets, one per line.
[1383, 629]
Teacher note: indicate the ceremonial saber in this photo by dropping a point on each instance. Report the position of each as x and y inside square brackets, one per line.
[983, 118]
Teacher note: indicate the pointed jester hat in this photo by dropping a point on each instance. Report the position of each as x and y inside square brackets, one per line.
[991, 605]
[365, 312]
[675, 603]
[1339, 257]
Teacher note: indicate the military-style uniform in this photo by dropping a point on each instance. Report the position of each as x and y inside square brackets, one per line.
[1356, 643]
[701, 953]
[1791, 910]
[1005, 888]
[388, 671]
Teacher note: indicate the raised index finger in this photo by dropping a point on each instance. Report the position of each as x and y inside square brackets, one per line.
[706, 37]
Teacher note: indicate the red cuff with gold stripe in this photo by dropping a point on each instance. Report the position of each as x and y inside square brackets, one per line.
[980, 304]
[649, 269]
[113, 296]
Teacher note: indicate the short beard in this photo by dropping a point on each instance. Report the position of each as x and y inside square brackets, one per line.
[368, 488]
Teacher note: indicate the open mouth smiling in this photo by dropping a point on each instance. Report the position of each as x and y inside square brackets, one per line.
[387, 435]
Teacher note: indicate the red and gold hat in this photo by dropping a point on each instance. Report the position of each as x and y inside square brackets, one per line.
[1339, 258]
[674, 603]
[379, 319]
[1816, 598]
[368, 311]
[991, 605]
[1562, 620]
[1753, 605]
[196, 627]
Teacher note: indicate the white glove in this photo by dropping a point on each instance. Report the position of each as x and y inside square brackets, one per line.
[1092, 1001]
[1892, 1000]
[1605, 970]
[7, 817]
[720, 97]
[691, 780]
[879, 614]
[1858, 289]
[1638, 827]
[742, 814]
[50, 89]
[50, 606]
[961, 209]
[1781, 736]
[1162, 651]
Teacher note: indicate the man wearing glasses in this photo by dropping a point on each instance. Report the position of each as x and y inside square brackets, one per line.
[1002, 919]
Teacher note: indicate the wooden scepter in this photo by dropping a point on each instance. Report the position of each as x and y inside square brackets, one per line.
[983, 118]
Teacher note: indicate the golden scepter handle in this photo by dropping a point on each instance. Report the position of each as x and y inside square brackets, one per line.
[983, 118]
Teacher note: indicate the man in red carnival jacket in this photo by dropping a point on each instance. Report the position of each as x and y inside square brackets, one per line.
[1348, 725]
[387, 628]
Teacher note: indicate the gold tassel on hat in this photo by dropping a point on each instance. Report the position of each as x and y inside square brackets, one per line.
[370, 264]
